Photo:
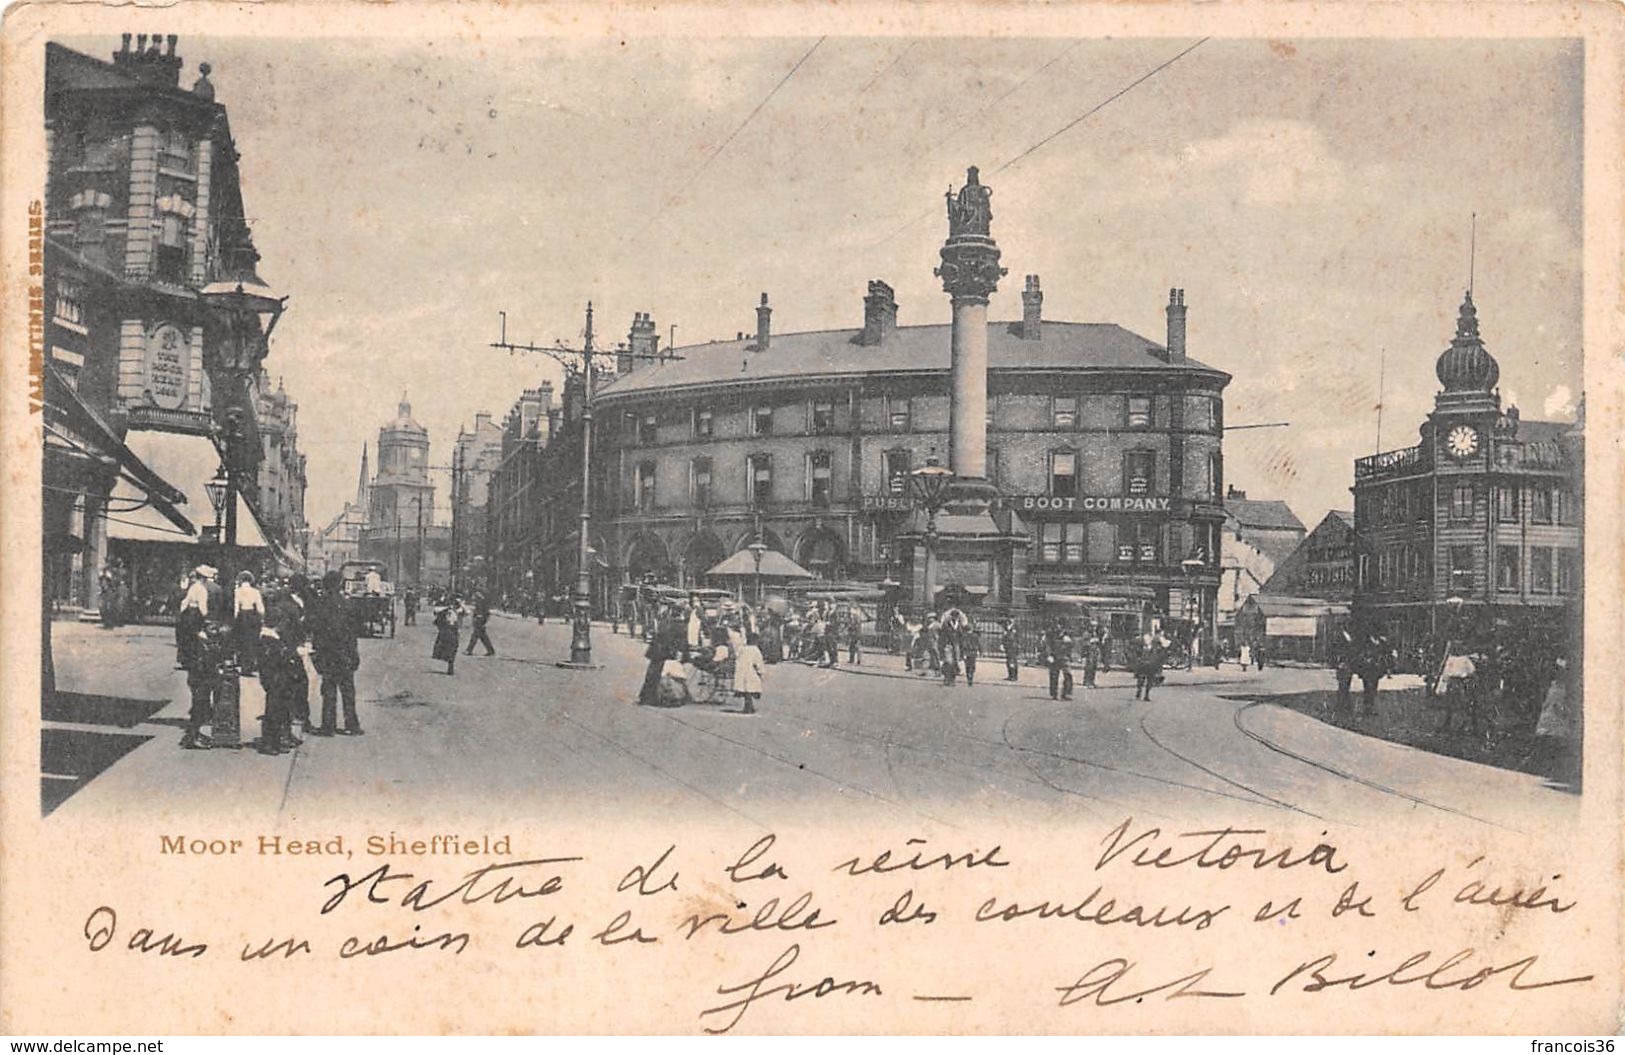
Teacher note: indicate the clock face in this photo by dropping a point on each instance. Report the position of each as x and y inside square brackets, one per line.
[1462, 441]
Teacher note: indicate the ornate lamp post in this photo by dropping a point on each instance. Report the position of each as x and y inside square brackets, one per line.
[1192, 566]
[758, 549]
[931, 482]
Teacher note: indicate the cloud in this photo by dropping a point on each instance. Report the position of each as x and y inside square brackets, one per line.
[1559, 403]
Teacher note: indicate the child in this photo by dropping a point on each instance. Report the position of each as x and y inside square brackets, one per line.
[748, 674]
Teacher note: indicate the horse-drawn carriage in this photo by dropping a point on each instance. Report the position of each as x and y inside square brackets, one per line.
[371, 595]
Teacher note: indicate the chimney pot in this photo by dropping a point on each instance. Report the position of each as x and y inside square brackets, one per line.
[141, 42]
[170, 41]
[126, 49]
[1176, 325]
[764, 325]
[879, 313]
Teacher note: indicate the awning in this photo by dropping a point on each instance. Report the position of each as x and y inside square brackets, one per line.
[189, 462]
[1290, 626]
[90, 435]
[775, 565]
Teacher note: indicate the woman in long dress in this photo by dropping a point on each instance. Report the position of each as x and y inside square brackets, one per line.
[448, 620]
[748, 674]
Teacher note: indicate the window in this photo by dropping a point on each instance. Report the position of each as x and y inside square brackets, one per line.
[1568, 571]
[1506, 567]
[703, 422]
[1461, 502]
[1063, 473]
[993, 466]
[1461, 569]
[174, 228]
[1139, 412]
[1564, 503]
[70, 310]
[823, 416]
[643, 487]
[761, 421]
[1204, 414]
[1061, 542]
[1540, 569]
[1139, 541]
[760, 482]
[699, 475]
[1064, 412]
[648, 429]
[1139, 472]
[899, 415]
[818, 481]
[1506, 503]
[894, 466]
[1540, 505]
[1212, 483]
[177, 152]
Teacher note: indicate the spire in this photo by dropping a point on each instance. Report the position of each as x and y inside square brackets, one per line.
[361, 484]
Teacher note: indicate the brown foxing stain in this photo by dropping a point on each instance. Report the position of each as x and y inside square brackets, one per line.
[1283, 49]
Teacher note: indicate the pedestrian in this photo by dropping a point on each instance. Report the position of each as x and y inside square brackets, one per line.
[749, 674]
[1058, 658]
[203, 650]
[1373, 666]
[278, 659]
[333, 635]
[1343, 662]
[1258, 653]
[931, 643]
[1010, 641]
[294, 630]
[854, 638]
[1146, 657]
[832, 641]
[970, 647]
[482, 617]
[948, 647]
[409, 602]
[1091, 658]
[248, 616]
[180, 638]
[448, 620]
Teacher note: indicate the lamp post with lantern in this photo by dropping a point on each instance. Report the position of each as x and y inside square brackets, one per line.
[758, 550]
[931, 482]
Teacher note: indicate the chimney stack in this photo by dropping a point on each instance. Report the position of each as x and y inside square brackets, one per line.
[1032, 310]
[1176, 325]
[1233, 492]
[148, 63]
[641, 341]
[879, 314]
[764, 327]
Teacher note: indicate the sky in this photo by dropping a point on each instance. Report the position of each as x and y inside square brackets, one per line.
[1313, 198]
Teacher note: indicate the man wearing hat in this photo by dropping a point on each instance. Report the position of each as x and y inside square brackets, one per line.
[333, 636]
[202, 635]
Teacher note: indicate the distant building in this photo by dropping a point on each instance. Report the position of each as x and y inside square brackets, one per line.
[1323, 565]
[339, 541]
[1258, 535]
[1476, 530]
[401, 530]
[474, 461]
[519, 509]
[280, 500]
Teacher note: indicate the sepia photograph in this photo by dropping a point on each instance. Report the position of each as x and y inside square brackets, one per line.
[827, 447]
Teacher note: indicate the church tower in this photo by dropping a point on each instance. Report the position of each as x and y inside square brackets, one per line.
[401, 497]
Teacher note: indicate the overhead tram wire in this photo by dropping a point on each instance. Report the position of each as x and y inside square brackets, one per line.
[1063, 129]
[731, 137]
[978, 115]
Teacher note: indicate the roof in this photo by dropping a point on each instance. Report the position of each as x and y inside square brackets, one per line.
[1274, 605]
[908, 349]
[775, 565]
[1265, 513]
[1345, 515]
[1543, 431]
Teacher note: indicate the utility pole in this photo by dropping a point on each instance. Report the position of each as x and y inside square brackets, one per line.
[583, 363]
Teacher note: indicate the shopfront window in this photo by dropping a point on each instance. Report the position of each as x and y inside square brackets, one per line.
[1062, 542]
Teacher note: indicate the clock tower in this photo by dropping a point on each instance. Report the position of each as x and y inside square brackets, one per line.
[1465, 411]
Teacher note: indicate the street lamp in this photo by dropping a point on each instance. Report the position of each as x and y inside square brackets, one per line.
[931, 482]
[758, 549]
[1192, 566]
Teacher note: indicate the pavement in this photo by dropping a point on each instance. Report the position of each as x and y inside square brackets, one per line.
[515, 734]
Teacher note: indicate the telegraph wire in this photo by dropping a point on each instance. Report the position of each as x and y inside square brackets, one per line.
[731, 137]
[889, 67]
[1100, 106]
[1064, 128]
[1019, 85]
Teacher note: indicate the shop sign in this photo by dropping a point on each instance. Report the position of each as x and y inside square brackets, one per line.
[169, 366]
[1094, 504]
[887, 503]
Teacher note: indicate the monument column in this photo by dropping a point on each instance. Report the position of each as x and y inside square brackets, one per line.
[970, 272]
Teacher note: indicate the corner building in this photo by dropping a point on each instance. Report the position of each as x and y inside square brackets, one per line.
[1105, 447]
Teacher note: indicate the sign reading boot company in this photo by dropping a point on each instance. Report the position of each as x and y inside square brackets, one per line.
[1158, 504]
[169, 366]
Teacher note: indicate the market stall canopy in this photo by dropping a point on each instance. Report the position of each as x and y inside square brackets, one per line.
[775, 565]
[189, 462]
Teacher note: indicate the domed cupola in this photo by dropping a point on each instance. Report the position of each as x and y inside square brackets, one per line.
[1466, 367]
[404, 422]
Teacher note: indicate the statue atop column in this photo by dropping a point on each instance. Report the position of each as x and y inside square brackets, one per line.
[970, 258]
[971, 213]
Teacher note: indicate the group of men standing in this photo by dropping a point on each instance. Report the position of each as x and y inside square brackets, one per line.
[267, 634]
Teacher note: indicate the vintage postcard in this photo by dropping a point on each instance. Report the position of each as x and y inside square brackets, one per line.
[771, 518]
